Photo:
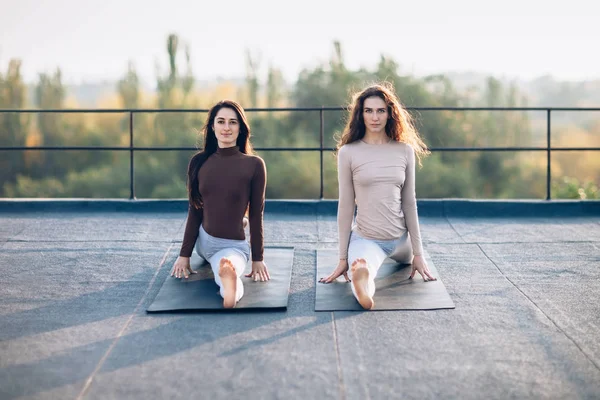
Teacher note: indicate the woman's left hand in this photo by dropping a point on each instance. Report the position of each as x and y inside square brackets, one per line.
[420, 265]
[259, 272]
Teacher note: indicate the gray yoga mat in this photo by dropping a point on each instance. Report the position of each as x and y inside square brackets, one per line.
[200, 292]
[394, 291]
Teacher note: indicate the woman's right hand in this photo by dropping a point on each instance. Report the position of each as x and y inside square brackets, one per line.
[182, 268]
[342, 269]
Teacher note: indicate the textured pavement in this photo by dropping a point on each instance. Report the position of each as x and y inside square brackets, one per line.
[74, 286]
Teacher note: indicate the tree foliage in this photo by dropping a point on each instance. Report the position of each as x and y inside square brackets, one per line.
[161, 174]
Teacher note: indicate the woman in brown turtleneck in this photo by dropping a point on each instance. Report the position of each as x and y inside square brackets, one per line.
[224, 181]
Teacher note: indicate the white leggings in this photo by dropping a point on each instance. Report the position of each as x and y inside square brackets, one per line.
[375, 252]
[213, 250]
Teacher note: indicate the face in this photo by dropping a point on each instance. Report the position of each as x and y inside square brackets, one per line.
[227, 127]
[375, 114]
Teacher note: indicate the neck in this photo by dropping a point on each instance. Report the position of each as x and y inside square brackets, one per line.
[375, 138]
[228, 151]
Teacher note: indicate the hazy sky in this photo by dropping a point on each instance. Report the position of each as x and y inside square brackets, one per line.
[92, 40]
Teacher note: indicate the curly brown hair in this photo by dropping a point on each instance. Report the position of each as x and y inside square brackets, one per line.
[399, 126]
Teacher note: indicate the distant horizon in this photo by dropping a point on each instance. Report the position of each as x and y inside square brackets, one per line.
[88, 93]
[150, 83]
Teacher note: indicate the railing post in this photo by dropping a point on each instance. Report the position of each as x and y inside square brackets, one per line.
[548, 159]
[321, 129]
[131, 167]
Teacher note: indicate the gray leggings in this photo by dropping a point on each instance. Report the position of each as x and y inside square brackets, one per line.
[213, 250]
[375, 252]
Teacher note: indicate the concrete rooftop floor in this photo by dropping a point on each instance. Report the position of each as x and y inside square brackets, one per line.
[76, 278]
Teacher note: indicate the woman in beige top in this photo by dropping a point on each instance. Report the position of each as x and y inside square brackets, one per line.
[376, 175]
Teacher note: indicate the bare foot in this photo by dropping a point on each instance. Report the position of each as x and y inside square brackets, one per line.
[229, 282]
[360, 279]
[245, 222]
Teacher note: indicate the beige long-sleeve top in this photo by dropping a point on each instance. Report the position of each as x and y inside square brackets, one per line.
[378, 179]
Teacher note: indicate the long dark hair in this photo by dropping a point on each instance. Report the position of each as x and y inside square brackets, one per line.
[211, 144]
[399, 126]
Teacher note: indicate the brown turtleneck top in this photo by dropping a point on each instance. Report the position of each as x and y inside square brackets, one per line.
[229, 182]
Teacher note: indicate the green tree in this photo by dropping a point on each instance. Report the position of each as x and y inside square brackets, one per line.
[276, 90]
[252, 84]
[50, 94]
[157, 173]
[13, 126]
[128, 88]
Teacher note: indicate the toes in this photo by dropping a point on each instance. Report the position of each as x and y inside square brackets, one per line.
[225, 263]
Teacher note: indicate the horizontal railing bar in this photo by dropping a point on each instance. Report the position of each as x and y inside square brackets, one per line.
[188, 110]
[92, 148]
[516, 149]
[436, 149]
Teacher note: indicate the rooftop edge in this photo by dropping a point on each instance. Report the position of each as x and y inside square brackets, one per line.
[427, 207]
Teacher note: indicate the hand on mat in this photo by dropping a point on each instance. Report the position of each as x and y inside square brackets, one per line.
[342, 269]
[259, 272]
[182, 268]
[420, 265]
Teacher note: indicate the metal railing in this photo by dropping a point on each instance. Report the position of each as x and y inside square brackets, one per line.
[321, 149]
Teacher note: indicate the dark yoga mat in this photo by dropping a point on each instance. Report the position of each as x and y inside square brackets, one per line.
[394, 291]
[200, 292]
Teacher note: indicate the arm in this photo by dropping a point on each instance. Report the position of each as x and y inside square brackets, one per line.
[409, 203]
[192, 228]
[346, 201]
[182, 267]
[256, 209]
[346, 206]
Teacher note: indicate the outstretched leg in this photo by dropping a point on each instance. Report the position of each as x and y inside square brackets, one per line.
[228, 265]
[365, 257]
[363, 286]
[228, 282]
